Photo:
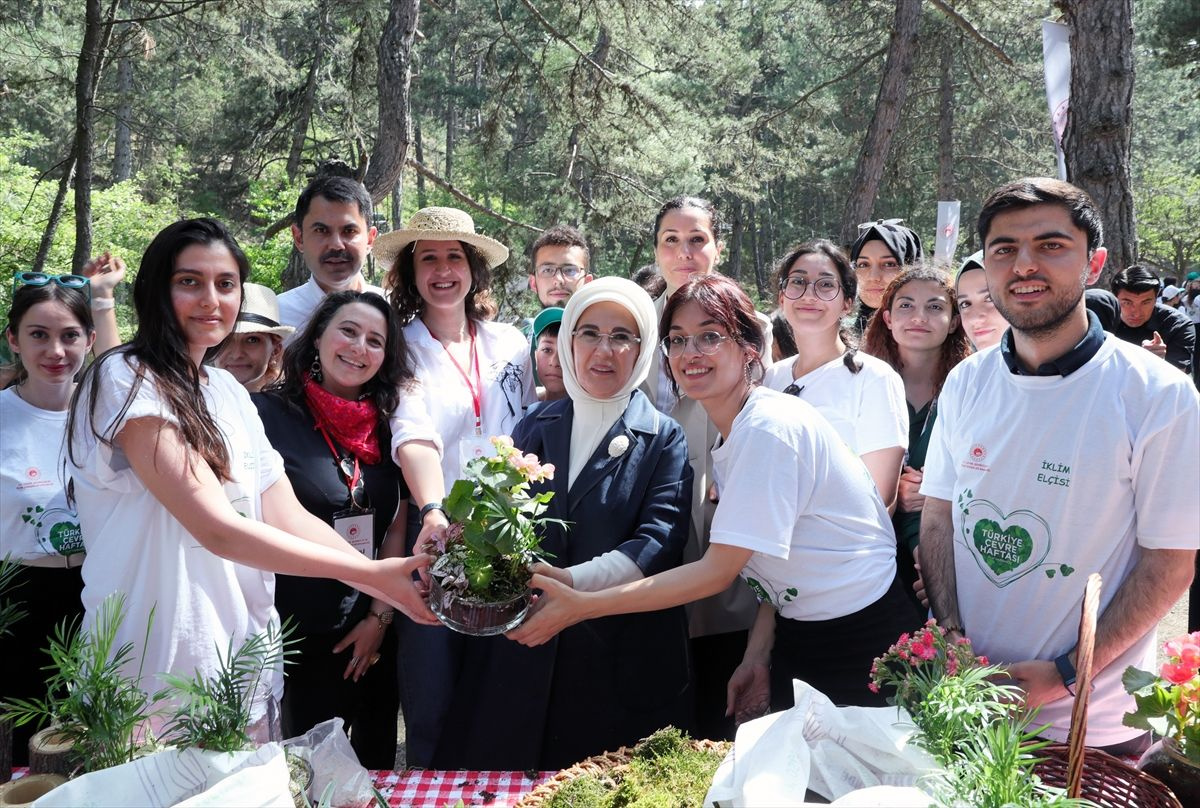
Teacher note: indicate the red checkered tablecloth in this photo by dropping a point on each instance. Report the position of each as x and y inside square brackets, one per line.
[434, 789]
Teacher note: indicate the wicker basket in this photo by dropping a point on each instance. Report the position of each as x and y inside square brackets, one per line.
[1090, 773]
[607, 763]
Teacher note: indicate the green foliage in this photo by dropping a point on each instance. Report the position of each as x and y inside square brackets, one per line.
[89, 697]
[953, 709]
[10, 609]
[213, 712]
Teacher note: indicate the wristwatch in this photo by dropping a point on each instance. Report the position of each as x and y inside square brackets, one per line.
[432, 506]
[1067, 671]
[385, 618]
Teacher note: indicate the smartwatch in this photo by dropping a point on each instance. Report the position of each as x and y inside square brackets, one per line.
[1067, 671]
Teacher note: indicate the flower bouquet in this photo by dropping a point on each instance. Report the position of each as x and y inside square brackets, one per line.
[479, 583]
[1169, 705]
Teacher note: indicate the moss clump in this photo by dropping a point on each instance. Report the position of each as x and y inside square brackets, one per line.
[666, 772]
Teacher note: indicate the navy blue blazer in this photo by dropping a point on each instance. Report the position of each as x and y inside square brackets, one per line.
[605, 682]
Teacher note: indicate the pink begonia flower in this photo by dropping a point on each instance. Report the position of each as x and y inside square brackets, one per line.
[548, 471]
[502, 441]
[1176, 672]
[1190, 655]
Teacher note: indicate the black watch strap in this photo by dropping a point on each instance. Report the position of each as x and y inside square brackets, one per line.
[1067, 671]
[432, 506]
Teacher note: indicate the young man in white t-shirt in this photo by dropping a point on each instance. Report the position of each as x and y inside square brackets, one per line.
[1054, 457]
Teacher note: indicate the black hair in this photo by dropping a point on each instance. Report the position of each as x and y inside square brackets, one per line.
[650, 278]
[1135, 278]
[1030, 191]
[26, 297]
[847, 278]
[560, 235]
[384, 388]
[335, 189]
[680, 202]
[161, 349]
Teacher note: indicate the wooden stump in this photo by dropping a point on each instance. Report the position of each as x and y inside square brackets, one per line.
[51, 753]
[24, 791]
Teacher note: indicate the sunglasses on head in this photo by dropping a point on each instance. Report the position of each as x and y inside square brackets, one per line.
[68, 281]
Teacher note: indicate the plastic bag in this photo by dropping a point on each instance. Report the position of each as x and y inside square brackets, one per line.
[328, 751]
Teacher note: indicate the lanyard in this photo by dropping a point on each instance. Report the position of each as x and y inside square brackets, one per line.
[353, 480]
[476, 388]
[929, 415]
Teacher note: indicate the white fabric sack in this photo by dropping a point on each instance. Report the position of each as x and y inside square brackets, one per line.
[815, 745]
[182, 777]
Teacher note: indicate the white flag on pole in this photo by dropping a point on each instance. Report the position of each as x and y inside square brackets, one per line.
[947, 232]
[1056, 54]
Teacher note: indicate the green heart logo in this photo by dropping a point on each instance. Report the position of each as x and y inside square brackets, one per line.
[66, 538]
[1002, 549]
[1007, 546]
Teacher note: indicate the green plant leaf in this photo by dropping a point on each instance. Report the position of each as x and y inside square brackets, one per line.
[459, 503]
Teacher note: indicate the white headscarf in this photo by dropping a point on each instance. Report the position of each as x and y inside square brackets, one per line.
[595, 416]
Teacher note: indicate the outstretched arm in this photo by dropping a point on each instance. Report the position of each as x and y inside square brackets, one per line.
[105, 273]
[189, 490]
[937, 560]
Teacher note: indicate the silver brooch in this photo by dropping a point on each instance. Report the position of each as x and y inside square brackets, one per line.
[618, 446]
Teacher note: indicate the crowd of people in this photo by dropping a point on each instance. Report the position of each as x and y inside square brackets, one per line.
[742, 499]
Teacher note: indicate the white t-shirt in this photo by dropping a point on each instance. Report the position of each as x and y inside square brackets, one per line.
[297, 305]
[796, 495]
[440, 407]
[1051, 478]
[35, 520]
[867, 408]
[200, 601]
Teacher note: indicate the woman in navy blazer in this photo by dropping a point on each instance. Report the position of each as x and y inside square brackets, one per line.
[624, 487]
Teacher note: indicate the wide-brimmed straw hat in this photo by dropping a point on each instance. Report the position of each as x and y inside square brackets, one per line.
[439, 224]
[260, 312]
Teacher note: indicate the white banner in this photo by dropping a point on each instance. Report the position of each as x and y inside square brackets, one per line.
[1056, 55]
[947, 232]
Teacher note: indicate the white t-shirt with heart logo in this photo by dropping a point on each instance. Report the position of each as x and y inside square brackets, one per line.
[1052, 478]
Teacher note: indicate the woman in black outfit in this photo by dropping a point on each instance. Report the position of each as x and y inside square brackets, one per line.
[327, 417]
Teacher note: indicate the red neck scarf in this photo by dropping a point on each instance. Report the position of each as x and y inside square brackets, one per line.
[353, 425]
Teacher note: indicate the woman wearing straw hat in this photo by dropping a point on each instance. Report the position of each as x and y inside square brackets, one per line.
[254, 351]
[474, 380]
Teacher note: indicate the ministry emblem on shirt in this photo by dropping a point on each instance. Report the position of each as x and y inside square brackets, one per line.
[975, 457]
[1007, 545]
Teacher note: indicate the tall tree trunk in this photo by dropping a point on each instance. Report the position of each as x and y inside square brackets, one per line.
[1097, 140]
[56, 212]
[752, 229]
[308, 100]
[893, 89]
[123, 142]
[96, 32]
[395, 110]
[397, 201]
[450, 101]
[420, 159]
[945, 178]
[735, 240]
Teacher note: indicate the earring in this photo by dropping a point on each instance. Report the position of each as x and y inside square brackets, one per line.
[315, 370]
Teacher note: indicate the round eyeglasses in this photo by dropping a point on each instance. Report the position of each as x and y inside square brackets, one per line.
[618, 341]
[706, 342]
[824, 288]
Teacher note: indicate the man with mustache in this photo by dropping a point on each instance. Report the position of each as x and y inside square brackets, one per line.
[1062, 453]
[331, 229]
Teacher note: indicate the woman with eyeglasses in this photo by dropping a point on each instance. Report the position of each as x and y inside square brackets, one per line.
[883, 248]
[49, 332]
[474, 379]
[860, 395]
[919, 334]
[623, 485]
[327, 417]
[687, 245]
[183, 504]
[798, 520]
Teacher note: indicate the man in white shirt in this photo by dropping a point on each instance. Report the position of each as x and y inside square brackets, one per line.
[331, 229]
[1055, 456]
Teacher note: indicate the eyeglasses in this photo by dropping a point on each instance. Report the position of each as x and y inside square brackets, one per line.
[618, 341]
[824, 288]
[706, 342]
[570, 272]
[77, 282]
[793, 389]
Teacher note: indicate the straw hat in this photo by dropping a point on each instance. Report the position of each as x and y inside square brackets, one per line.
[439, 224]
[260, 312]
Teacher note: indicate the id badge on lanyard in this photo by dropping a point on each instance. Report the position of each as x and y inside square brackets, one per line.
[476, 445]
[357, 527]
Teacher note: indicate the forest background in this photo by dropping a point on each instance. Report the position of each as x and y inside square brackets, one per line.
[526, 113]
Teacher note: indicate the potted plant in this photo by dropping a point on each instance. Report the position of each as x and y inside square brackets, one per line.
[1169, 704]
[479, 583]
[10, 613]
